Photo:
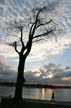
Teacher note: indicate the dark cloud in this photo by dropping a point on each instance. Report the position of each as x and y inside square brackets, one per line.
[57, 71]
[53, 5]
[6, 74]
[62, 75]
[41, 76]
[2, 1]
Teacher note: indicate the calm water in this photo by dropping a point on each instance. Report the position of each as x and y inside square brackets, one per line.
[39, 93]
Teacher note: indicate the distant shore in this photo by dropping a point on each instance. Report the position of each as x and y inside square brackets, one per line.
[35, 85]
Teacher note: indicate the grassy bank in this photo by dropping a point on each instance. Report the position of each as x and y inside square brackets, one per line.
[30, 103]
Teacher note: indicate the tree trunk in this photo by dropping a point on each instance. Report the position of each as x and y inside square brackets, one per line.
[20, 78]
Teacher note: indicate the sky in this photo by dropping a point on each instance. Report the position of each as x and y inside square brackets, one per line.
[54, 53]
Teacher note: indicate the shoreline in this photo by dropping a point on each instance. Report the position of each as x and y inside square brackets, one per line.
[36, 85]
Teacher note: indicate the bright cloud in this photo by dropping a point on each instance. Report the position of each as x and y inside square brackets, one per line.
[50, 47]
[7, 51]
[60, 11]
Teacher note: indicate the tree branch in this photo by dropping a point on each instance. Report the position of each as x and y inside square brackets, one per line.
[44, 34]
[21, 38]
[37, 40]
[31, 34]
[42, 24]
[31, 29]
[15, 44]
[35, 25]
[28, 46]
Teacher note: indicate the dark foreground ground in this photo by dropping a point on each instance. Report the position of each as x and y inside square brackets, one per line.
[30, 103]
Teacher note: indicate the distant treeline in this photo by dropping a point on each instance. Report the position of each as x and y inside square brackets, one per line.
[11, 84]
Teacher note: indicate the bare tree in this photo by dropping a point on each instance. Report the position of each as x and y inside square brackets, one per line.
[25, 49]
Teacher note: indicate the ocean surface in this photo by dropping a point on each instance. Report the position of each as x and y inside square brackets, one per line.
[39, 93]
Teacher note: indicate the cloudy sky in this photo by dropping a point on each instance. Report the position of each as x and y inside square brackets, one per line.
[53, 52]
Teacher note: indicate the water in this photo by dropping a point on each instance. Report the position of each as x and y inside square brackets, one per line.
[39, 93]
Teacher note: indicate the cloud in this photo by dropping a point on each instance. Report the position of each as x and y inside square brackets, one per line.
[57, 72]
[6, 50]
[60, 11]
[6, 73]
[49, 48]
[49, 73]
[63, 75]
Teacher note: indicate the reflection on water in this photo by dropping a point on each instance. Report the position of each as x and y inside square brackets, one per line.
[46, 94]
[63, 95]
[6, 91]
[39, 93]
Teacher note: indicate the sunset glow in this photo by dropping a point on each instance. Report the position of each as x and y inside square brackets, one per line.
[48, 76]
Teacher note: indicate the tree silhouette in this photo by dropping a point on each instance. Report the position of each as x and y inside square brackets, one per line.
[38, 23]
